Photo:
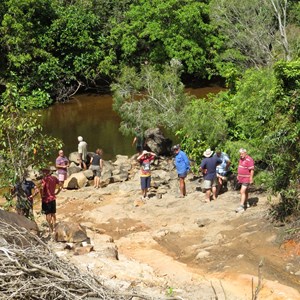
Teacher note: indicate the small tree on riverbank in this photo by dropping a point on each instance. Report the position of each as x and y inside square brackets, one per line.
[150, 98]
[22, 141]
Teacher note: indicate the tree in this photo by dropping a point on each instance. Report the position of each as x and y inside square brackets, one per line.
[255, 32]
[149, 98]
[158, 31]
[22, 141]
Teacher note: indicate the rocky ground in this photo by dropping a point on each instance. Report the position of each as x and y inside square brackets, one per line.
[181, 248]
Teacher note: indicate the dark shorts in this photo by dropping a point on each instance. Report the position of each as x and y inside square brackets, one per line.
[183, 175]
[49, 208]
[145, 182]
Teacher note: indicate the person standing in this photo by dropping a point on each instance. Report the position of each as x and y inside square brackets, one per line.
[245, 177]
[138, 140]
[208, 168]
[82, 152]
[48, 193]
[96, 165]
[25, 192]
[182, 164]
[61, 164]
[145, 159]
[222, 169]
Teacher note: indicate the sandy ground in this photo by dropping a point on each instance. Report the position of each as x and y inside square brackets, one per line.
[183, 248]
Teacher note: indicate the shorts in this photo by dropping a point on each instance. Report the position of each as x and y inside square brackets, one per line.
[62, 177]
[183, 175]
[208, 184]
[245, 184]
[145, 182]
[49, 208]
[96, 170]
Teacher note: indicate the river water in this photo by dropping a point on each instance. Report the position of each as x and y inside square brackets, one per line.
[92, 117]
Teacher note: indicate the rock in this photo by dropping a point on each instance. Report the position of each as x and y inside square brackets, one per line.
[70, 232]
[156, 141]
[83, 250]
[202, 222]
[14, 219]
[73, 168]
[76, 181]
[202, 254]
[88, 174]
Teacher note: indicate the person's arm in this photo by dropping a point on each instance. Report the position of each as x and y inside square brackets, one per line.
[228, 162]
[101, 164]
[134, 141]
[35, 192]
[251, 175]
[142, 154]
[60, 187]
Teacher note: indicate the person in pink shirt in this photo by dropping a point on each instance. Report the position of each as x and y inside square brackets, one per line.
[245, 177]
[49, 190]
[62, 164]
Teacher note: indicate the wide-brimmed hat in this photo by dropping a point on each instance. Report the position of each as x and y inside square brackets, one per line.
[208, 153]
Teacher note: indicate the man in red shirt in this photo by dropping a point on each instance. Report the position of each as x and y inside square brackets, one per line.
[48, 194]
[245, 177]
[145, 159]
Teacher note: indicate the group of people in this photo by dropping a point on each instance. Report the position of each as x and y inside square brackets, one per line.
[51, 185]
[215, 168]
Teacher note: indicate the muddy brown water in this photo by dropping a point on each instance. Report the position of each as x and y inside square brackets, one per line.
[92, 117]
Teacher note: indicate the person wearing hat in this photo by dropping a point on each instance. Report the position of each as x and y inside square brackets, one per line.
[145, 159]
[182, 164]
[245, 177]
[208, 168]
[82, 152]
[49, 190]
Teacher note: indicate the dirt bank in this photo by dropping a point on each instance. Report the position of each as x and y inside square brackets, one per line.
[183, 247]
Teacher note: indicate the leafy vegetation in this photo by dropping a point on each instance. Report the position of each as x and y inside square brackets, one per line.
[53, 48]
[22, 142]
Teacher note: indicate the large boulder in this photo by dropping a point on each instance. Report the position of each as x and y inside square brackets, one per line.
[76, 181]
[70, 232]
[156, 142]
[14, 219]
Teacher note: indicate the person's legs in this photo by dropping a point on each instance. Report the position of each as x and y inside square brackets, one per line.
[182, 186]
[207, 195]
[214, 192]
[220, 184]
[244, 194]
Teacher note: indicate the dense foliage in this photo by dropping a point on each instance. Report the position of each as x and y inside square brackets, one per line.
[23, 145]
[50, 49]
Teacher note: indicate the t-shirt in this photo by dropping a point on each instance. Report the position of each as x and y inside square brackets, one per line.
[244, 169]
[210, 164]
[145, 162]
[96, 160]
[61, 161]
[48, 188]
[82, 149]
[182, 162]
[27, 186]
[221, 169]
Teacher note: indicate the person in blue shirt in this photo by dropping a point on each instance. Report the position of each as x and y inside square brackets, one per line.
[208, 168]
[182, 164]
[222, 170]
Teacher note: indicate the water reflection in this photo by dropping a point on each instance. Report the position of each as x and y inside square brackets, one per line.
[92, 117]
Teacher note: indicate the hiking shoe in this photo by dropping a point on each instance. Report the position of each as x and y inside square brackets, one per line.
[240, 209]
